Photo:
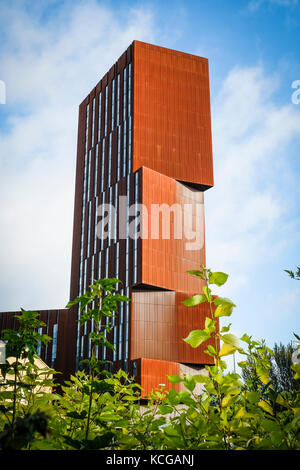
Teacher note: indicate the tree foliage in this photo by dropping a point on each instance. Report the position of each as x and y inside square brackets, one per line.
[100, 410]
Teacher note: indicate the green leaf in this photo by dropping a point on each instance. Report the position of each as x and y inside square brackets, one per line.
[165, 409]
[189, 382]
[202, 379]
[226, 328]
[253, 397]
[226, 350]
[211, 349]
[209, 325]
[196, 337]
[223, 301]
[223, 311]
[217, 278]
[246, 338]
[266, 407]
[296, 368]
[174, 379]
[263, 374]
[173, 397]
[231, 339]
[195, 300]
[197, 273]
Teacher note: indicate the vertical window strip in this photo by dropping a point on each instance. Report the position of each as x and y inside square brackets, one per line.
[89, 228]
[93, 122]
[126, 326]
[99, 116]
[129, 90]
[118, 99]
[92, 270]
[112, 104]
[129, 146]
[106, 263]
[87, 127]
[115, 342]
[102, 165]
[124, 92]
[89, 175]
[109, 216]
[78, 339]
[54, 343]
[95, 224]
[105, 110]
[82, 344]
[117, 260]
[109, 160]
[99, 265]
[124, 149]
[96, 171]
[119, 154]
[120, 329]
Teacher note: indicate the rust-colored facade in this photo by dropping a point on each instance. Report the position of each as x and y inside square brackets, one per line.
[145, 134]
[144, 137]
[55, 326]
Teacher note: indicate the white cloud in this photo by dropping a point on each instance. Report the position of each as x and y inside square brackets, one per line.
[252, 193]
[49, 66]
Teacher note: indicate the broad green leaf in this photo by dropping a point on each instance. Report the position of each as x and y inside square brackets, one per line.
[240, 413]
[173, 397]
[231, 339]
[296, 368]
[246, 338]
[207, 293]
[265, 406]
[270, 425]
[189, 382]
[253, 397]
[263, 374]
[202, 379]
[174, 379]
[217, 278]
[195, 300]
[211, 349]
[223, 301]
[227, 349]
[165, 409]
[209, 325]
[196, 273]
[196, 337]
[223, 311]
[281, 401]
[226, 328]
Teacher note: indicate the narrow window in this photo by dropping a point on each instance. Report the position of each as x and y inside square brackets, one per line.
[99, 116]
[105, 111]
[112, 104]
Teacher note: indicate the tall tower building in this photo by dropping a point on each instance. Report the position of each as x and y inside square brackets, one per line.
[144, 161]
[144, 137]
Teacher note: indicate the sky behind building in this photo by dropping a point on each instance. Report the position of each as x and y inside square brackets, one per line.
[53, 52]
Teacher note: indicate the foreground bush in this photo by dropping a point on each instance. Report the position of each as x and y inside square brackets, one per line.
[99, 410]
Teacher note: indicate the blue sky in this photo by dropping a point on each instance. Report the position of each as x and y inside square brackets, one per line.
[53, 52]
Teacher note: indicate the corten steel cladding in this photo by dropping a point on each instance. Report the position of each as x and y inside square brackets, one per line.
[165, 262]
[170, 154]
[160, 322]
[54, 359]
[172, 121]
